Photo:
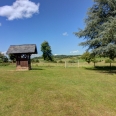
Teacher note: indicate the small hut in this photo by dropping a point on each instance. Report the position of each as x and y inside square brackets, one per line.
[23, 55]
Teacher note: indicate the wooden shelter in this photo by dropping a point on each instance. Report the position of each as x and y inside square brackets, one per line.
[23, 54]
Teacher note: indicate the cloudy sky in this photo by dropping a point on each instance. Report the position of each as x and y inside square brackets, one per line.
[36, 21]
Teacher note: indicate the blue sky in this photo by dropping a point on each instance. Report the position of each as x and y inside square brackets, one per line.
[36, 21]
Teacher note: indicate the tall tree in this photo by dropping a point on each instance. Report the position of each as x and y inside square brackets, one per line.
[47, 52]
[100, 30]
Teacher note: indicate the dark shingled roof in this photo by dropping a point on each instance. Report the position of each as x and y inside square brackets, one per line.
[25, 48]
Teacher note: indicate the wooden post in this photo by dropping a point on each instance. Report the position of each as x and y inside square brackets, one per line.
[29, 61]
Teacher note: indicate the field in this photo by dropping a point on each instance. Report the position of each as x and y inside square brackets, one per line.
[52, 90]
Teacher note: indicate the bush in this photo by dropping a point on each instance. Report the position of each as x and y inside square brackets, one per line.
[37, 60]
[94, 61]
[79, 57]
[1, 60]
[4, 64]
[54, 61]
[61, 61]
[100, 60]
[36, 65]
[71, 61]
[109, 61]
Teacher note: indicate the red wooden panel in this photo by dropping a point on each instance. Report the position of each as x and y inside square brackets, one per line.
[24, 63]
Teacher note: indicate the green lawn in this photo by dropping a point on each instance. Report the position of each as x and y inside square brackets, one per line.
[57, 91]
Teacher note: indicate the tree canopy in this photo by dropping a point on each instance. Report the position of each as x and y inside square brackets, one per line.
[47, 52]
[12, 57]
[87, 57]
[3, 58]
[100, 30]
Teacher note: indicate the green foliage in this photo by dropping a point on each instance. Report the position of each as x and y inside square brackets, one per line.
[3, 58]
[47, 52]
[32, 60]
[54, 61]
[12, 57]
[71, 61]
[100, 30]
[37, 60]
[66, 56]
[60, 57]
[4, 64]
[1, 55]
[109, 61]
[87, 57]
[61, 61]
[79, 57]
[95, 60]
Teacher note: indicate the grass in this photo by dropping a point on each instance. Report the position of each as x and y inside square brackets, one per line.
[57, 91]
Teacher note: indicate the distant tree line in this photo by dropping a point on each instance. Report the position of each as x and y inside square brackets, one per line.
[59, 56]
[47, 53]
[65, 56]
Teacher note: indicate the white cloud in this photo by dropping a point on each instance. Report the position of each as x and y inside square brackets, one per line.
[4, 52]
[34, 55]
[55, 54]
[74, 52]
[65, 34]
[20, 9]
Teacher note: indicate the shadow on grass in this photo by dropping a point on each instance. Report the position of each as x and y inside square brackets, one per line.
[103, 69]
[37, 68]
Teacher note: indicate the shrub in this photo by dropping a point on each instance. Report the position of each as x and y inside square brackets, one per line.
[54, 61]
[36, 65]
[71, 61]
[109, 61]
[61, 61]
[1, 60]
[37, 60]
[4, 64]
[95, 60]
